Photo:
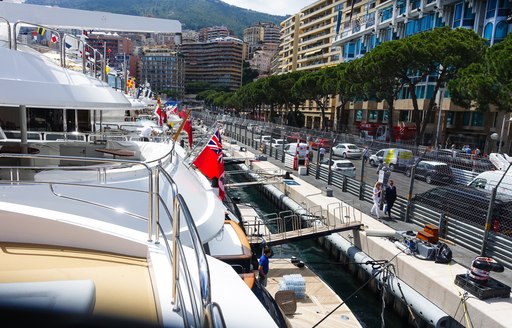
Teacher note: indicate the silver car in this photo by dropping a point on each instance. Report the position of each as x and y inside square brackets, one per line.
[344, 166]
[347, 150]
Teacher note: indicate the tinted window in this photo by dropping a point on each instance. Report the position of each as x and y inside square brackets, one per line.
[344, 165]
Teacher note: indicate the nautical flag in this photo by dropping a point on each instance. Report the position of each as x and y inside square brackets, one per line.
[139, 92]
[211, 162]
[34, 35]
[162, 116]
[187, 127]
[40, 31]
[130, 83]
[54, 38]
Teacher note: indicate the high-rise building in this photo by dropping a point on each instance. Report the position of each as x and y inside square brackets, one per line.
[218, 62]
[306, 37]
[366, 24]
[163, 69]
[214, 32]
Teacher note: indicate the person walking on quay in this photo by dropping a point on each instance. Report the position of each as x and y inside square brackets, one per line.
[264, 266]
[366, 155]
[376, 199]
[390, 195]
[322, 153]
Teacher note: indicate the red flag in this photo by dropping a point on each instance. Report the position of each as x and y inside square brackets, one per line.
[162, 116]
[211, 162]
[54, 38]
[187, 127]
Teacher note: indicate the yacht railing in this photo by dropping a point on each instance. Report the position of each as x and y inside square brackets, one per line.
[8, 31]
[208, 314]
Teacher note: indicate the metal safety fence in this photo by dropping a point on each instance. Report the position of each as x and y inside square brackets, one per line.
[424, 195]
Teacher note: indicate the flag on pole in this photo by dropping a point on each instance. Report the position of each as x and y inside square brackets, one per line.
[41, 31]
[54, 38]
[187, 126]
[162, 116]
[211, 162]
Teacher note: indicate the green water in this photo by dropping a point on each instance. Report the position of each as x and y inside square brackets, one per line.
[365, 304]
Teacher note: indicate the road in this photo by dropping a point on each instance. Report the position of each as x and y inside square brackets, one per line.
[402, 182]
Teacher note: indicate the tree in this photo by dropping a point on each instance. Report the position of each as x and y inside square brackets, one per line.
[346, 93]
[377, 76]
[318, 86]
[453, 51]
[488, 82]
[248, 74]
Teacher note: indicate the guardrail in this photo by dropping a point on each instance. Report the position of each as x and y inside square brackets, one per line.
[499, 245]
[205, 313]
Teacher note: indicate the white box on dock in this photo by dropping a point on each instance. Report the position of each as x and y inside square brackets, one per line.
[303, 170]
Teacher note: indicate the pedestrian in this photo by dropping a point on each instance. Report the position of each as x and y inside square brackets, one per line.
[366, 154]
[322, 153]
[264, 266]
[390, 195]
[146, 133]
[381, 166]
[376, 199]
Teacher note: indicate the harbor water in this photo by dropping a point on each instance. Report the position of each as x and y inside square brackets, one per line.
[365, 304]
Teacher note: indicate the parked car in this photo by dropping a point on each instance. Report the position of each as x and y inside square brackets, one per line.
[321, 143]
[263, 139]
[432, 172]
[277, 143]
[395, 158]
[292, 149]
[295, 137]
[459, 159]
[347, 150]
[490, 179]
[344, 166]
[470, 205]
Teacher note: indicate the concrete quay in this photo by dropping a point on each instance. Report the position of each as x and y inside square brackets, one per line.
[433, 281]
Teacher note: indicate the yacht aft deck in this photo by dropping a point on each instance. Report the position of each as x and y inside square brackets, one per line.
[91, 282]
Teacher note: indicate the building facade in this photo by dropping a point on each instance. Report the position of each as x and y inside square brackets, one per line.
[163, 69]
[218, 62]
[307, 45]
[366, 24]
[328, 32]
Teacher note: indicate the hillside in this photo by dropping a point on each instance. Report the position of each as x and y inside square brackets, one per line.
[193, 14]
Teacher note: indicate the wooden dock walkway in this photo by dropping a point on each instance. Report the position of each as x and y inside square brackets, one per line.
[319, 299]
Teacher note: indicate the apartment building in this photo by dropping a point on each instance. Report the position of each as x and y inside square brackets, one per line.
[217, 62]
[163, 69]
[306, 45]
[365, 24]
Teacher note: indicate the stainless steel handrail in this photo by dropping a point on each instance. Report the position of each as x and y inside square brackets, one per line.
[202, 314]
[8, 31]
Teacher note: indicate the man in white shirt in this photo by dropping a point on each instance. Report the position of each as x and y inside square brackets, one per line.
[145, 133]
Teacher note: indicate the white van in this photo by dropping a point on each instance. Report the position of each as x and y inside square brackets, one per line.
[489, 179]
[302, 149]
[395, 158]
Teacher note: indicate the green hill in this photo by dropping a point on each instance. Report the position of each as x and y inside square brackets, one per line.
[193, 14]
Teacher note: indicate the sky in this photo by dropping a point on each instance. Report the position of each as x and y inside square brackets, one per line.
[275, 7]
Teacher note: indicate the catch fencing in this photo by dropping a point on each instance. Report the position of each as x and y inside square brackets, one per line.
[460, 220]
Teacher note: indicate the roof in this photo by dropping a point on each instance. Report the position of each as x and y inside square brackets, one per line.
[27, 79]
[433, 163]
[86, 20]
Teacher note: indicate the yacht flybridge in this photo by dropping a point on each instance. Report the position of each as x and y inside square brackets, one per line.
[94, 228]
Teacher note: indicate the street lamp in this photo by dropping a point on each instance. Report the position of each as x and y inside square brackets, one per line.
[439, 96]
[502, 130]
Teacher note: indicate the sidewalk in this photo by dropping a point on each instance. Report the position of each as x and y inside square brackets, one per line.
[460, 254]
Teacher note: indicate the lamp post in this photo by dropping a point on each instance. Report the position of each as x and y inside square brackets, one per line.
[440, 97]
[502, 130]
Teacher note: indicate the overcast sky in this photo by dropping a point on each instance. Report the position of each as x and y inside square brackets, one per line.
[275, 7]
